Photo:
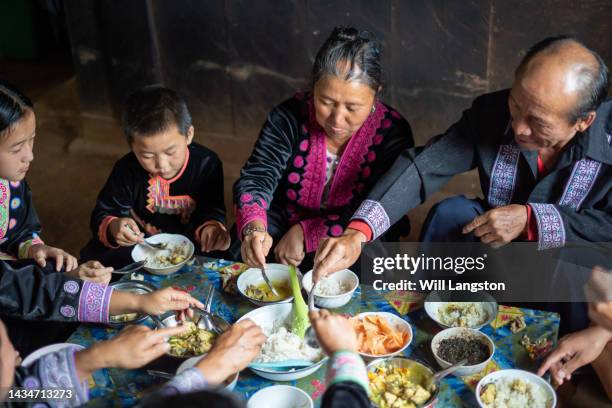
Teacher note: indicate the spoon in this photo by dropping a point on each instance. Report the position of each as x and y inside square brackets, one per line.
[207, 305]
[265, 276]
[437, 377]
[311, 337]
[133, 267]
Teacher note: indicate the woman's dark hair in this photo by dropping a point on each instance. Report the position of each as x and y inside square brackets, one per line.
[153, 109]
[13, 106]
[206, 398]
[593, 79]
[352, 55]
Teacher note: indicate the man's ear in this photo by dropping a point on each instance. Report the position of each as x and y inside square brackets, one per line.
[190, 133]
[583, 124]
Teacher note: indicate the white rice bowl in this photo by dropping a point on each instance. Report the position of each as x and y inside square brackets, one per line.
[516, 389]
[275, 320]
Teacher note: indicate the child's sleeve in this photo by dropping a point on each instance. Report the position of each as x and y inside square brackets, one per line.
[114, 201]
[210, 207]
[27, 230]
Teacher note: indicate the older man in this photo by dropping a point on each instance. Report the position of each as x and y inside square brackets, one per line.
[543, 152]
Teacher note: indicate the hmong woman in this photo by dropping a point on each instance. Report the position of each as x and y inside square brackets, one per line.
[318, 155]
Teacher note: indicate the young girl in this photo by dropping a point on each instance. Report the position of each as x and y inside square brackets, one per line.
[166, 184]
[19, 223]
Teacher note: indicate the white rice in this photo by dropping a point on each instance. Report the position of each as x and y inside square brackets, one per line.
[283, 345]
[330, 287]
[462, 314]
[509, 393]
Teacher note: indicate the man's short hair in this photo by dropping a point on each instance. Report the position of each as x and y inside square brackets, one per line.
[594, 81]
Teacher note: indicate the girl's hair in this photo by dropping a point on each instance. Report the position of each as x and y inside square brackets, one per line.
[13, 106]
[352, 55]
[153, 109]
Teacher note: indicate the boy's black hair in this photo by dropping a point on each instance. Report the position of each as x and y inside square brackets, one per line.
[153, 109]
[13, 107]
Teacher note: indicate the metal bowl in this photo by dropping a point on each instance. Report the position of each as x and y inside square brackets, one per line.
[138, 287]
[209, 321]
[419, 374]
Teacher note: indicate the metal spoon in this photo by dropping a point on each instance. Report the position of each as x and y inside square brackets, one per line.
[311, 337]
[441, 374]
[263, 273]
[207, 305]
[133, 267]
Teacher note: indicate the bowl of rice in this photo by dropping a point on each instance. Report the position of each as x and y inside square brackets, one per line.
[515, 389]
[447, 312]
[333, 291]
[281, 344]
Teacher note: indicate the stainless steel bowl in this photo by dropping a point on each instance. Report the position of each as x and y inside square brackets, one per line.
[138, 287]
[214, 323]
[419, 374]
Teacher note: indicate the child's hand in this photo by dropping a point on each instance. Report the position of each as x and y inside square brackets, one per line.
[92, 271]
[41, 252]
[214, 237]
[334, 332]
[125, 231]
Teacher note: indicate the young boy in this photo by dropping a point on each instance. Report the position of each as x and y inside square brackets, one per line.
[166, 184]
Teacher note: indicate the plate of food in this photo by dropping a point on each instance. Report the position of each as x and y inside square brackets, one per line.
[513, 389]
[177, 251]
[281, 344]
[454, 344]
[251, 285]
[199, 338]
[137, 287]
[401, 382]
[479, 311]
[381, 334]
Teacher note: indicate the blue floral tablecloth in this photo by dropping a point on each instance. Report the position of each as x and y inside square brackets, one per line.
[116, 387]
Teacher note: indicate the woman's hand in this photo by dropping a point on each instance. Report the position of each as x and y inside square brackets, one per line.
[214, 237]
[125, 231]
[574, 351]
[232, 352]
[334, 332]
[92, 271]
[336, 254]
[156, 303]
[290, 249]
[41, 252]
[256, 246]
[132, 348]
[164, 300]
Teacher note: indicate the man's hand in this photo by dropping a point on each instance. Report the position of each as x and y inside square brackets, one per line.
[41, 252]
[125, 231]
[92, 271]
[256, 246]
[214, 237]
[290, 249]
[336, 254]
[232, 352]
[574, 351]
[334, 332]
[499, 226]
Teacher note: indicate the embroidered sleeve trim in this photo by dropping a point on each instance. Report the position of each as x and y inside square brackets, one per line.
[190, 380]
[347, 366]
[373, 213]
[58, 370]
[94, 303]
[551, 231]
